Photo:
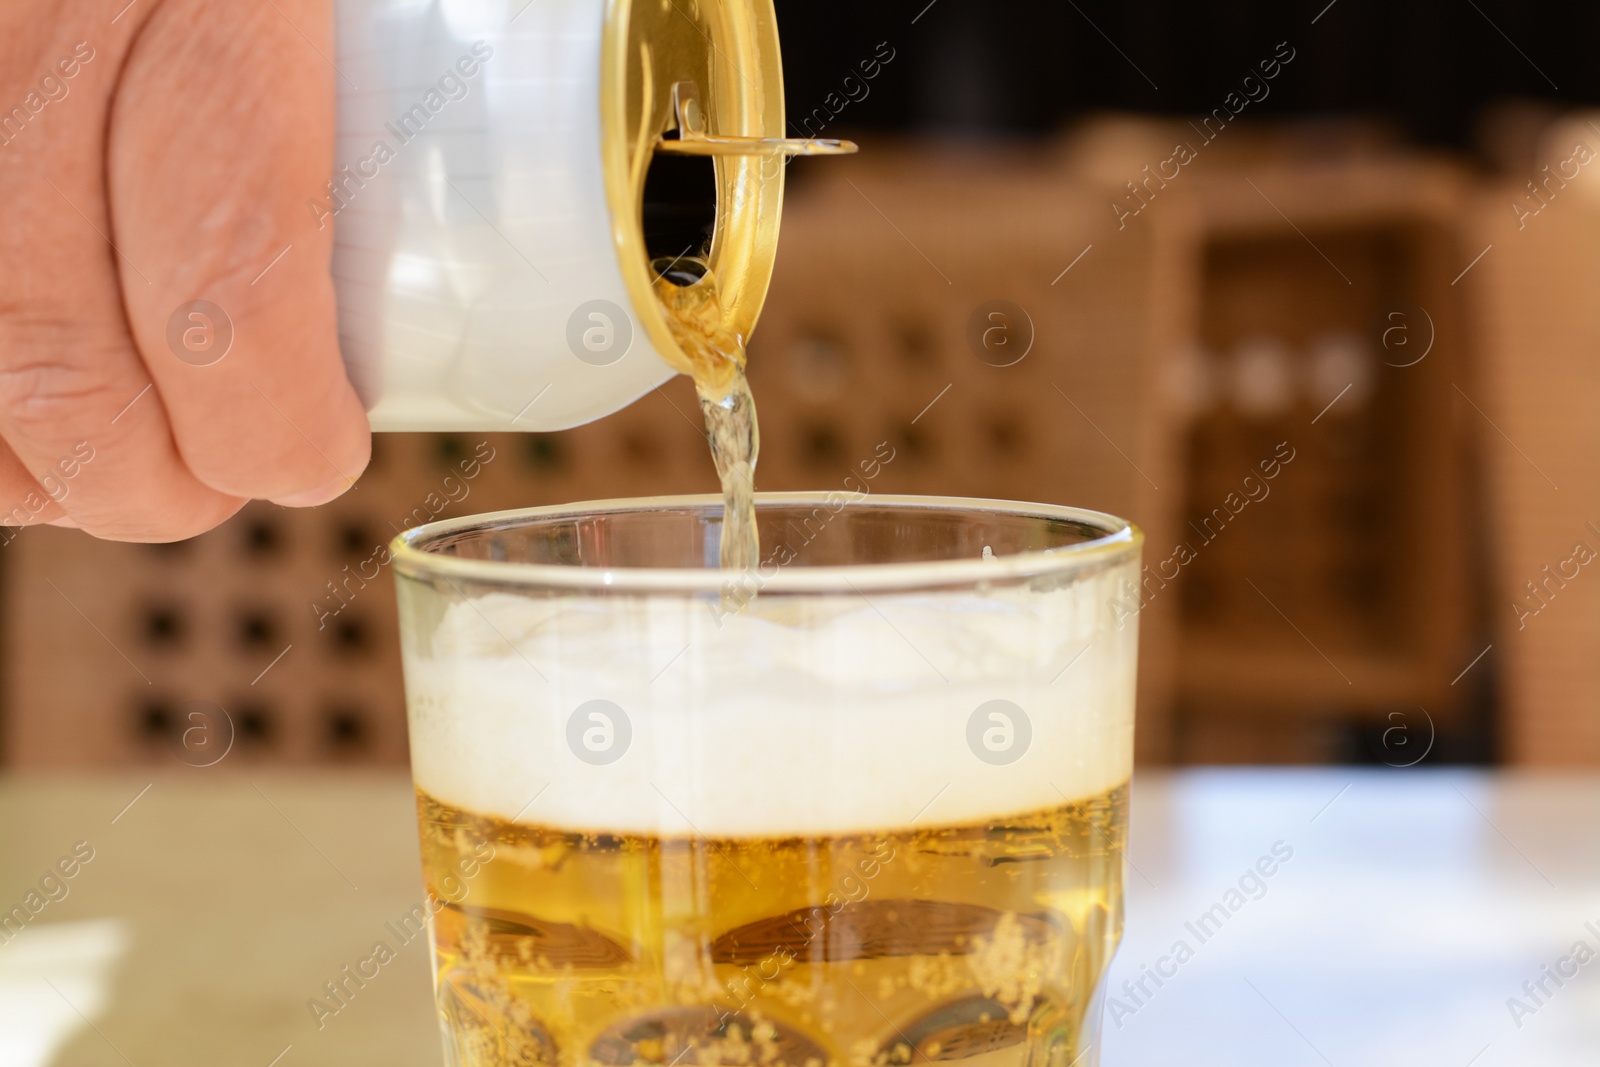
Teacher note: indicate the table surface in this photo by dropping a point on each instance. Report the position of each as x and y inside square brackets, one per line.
[1412, 907]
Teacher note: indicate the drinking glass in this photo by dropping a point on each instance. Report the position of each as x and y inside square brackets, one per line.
[863, 805]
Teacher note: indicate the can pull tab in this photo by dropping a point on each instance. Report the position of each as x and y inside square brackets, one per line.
[692, 139]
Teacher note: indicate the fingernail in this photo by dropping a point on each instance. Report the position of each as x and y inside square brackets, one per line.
[320, 495]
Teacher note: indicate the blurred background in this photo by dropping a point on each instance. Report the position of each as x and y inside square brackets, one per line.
[1306, 290]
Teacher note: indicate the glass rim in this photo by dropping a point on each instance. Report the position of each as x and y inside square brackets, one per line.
[1119, 537]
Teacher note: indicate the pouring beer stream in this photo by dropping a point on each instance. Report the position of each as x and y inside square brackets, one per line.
[708, 349]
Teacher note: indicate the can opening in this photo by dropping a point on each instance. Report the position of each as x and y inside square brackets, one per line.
[683, 271]
[680, 207]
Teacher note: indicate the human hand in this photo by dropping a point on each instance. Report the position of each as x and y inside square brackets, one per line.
[154, 154]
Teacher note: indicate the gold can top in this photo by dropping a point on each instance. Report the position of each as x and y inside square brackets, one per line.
[698, 78]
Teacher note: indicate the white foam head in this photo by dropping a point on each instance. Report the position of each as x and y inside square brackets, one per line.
[823, 716]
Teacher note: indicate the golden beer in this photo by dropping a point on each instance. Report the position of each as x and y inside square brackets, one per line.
[982, 942]
[873, 814]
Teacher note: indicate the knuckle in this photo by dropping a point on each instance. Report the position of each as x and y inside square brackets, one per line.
[52, 395]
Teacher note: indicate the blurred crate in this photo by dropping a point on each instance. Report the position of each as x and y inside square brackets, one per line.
[1348, 593]
[1316, 263]
[1537, 409]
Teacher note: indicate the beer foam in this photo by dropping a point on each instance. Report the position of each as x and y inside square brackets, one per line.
[816, 717]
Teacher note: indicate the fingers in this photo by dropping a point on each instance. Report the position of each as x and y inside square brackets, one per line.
[25, 502]
[71, 383]
[77, 410]
[221, 134]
